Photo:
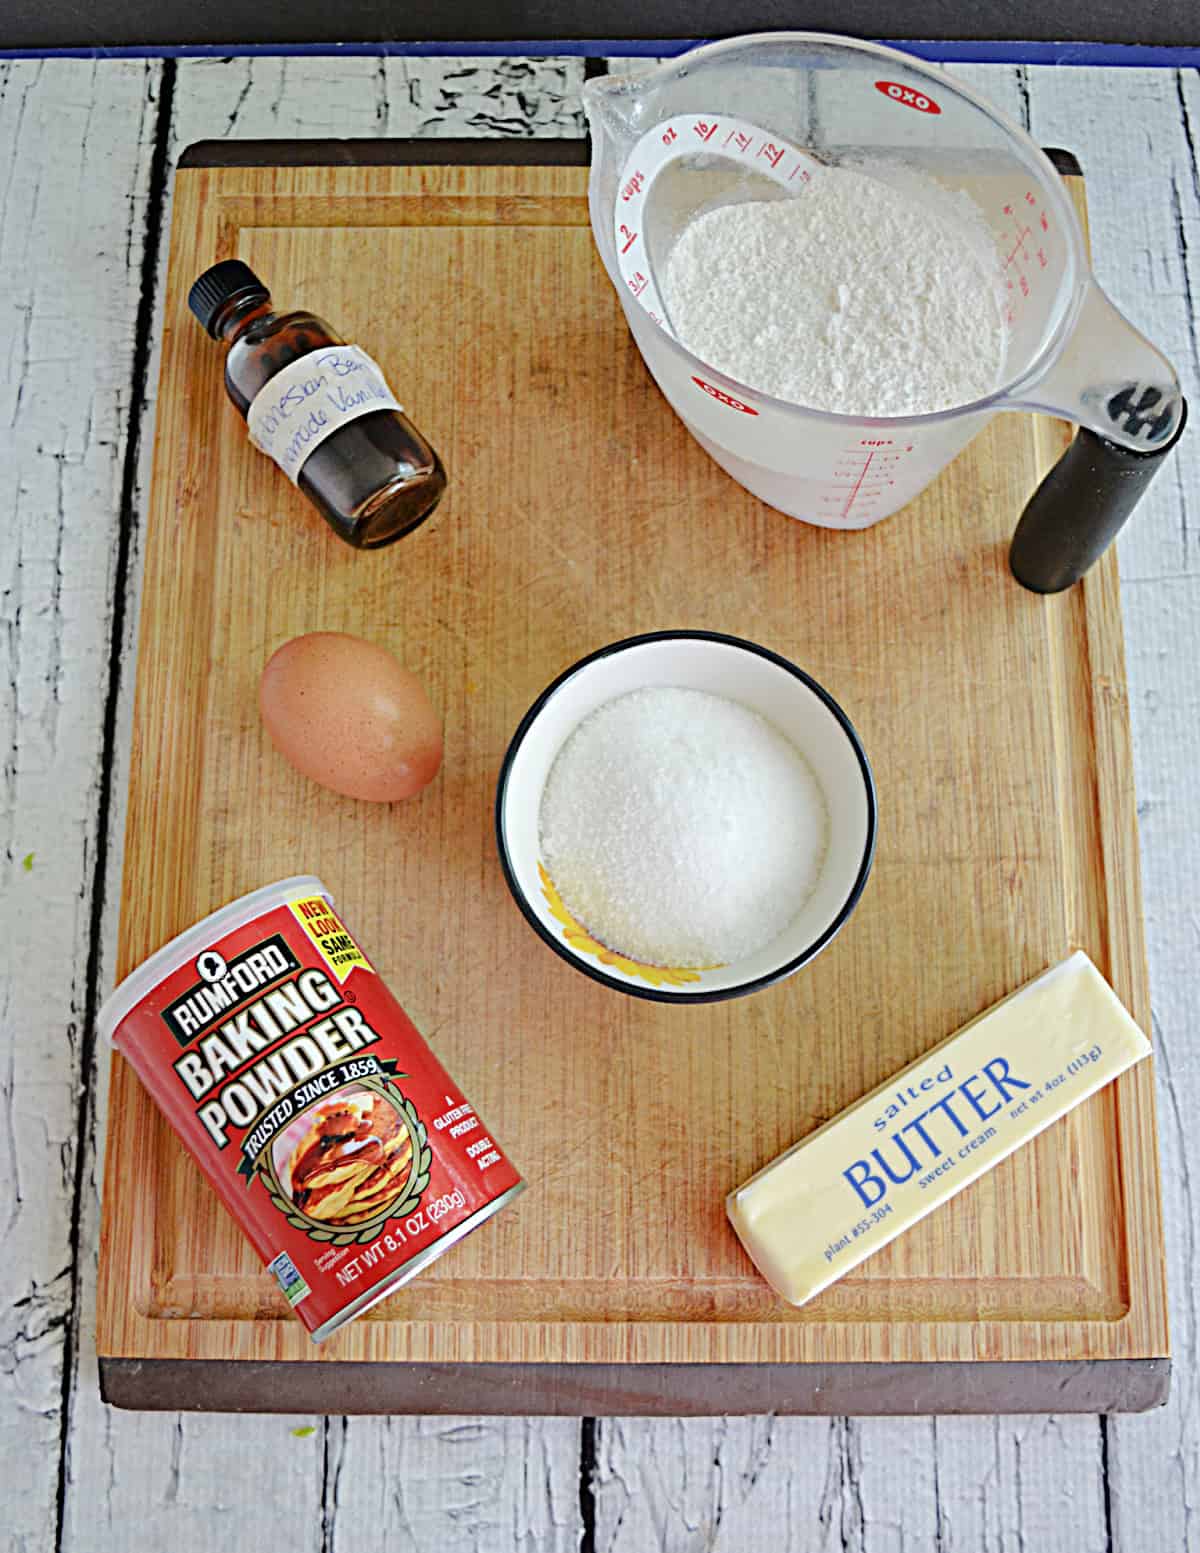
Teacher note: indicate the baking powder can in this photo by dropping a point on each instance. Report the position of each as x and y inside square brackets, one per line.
[344, 1150]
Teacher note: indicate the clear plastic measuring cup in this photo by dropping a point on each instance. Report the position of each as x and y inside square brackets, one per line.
[757, 118]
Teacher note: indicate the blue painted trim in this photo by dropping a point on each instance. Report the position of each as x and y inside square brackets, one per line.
[985, 53]
[939, 52]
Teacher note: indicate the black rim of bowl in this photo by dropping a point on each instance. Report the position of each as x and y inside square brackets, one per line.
[719, 994]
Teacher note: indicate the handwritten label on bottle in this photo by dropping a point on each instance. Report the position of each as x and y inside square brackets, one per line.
[313, 397]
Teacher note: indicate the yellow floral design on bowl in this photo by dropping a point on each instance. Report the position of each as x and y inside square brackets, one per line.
[583, 943]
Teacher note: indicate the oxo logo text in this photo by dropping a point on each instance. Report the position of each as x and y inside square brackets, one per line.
[722, 397]
[908, 95]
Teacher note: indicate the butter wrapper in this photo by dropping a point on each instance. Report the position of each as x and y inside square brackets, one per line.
[862, 1179]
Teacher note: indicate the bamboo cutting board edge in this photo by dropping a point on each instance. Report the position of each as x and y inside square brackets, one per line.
[215, 213]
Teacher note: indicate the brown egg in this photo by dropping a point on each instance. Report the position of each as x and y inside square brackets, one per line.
[345, 713]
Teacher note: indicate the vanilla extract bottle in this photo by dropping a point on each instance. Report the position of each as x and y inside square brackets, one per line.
[322, 409]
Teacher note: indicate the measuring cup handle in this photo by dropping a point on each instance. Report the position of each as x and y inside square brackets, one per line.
[1080, 507]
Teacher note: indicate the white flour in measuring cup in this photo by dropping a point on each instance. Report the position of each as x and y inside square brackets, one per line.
[859, 296]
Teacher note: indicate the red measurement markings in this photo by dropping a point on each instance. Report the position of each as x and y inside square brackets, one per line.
[1022, 234]
[634, 186]
[773, 153]
[740, 139]
[704, 129]
[857, 486]
[805, 175]
[865, 483]
[630, 239]
[670, 137]
[637, 283]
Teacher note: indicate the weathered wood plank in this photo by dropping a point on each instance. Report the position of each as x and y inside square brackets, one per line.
[343, 98]
[1136, 135]
[456, 1485]
[447, 97]
[690, 1484]
[1154, 1462]
[868, 1485]
[175, 1474]
[971, 1485]
[72, 191]
[1001, 1484]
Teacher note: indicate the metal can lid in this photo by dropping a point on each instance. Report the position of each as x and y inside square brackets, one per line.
[130, 992]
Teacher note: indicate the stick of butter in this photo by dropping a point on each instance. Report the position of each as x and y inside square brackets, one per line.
[863, 1178]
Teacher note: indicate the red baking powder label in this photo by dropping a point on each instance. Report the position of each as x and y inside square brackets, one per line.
[329, 1129]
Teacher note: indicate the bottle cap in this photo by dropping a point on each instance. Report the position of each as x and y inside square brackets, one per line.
[221, 284]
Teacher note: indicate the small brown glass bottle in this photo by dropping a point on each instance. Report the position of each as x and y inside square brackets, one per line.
[321, 409]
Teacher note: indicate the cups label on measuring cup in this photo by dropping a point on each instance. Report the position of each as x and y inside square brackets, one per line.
[684, 135]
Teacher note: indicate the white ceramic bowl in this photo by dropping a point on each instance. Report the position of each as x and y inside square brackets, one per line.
[741, 671]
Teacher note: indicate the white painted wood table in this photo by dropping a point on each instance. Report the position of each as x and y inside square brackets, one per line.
[86, 151]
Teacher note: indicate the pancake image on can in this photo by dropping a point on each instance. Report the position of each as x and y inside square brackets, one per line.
[348, 1160]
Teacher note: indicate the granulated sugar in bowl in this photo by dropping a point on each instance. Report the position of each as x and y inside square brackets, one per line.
[682, 828]
[686, 816]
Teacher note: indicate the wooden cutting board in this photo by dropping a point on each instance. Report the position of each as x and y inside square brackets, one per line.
[580, 511]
